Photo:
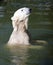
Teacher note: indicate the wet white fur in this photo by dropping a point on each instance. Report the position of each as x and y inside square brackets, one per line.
[20, 25]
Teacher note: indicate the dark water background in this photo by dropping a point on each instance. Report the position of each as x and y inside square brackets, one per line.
[40, 27]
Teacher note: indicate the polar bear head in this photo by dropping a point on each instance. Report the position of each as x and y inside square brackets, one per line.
[21, 14]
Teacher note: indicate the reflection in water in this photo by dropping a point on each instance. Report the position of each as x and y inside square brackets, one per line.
[28, 55]
[19, 55]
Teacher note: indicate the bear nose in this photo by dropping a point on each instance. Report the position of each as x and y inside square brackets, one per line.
[30, 10]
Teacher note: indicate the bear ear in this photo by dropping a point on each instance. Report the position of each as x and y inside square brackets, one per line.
[11, 18]
[14, 18]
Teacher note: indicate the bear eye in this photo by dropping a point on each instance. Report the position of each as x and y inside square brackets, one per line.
[22, 10]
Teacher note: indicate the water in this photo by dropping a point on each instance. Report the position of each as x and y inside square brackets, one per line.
[40, 27]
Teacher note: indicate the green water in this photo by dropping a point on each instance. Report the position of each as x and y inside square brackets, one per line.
[40, 27]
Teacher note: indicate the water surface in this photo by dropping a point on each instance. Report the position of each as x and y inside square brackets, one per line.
[40, 27]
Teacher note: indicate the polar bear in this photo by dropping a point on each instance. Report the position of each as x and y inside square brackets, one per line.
[20, 27]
